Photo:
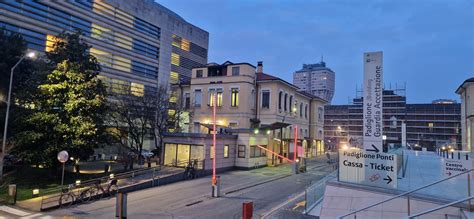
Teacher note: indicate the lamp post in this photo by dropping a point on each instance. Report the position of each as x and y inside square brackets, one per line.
[215, 184]
[7, 114]
[63, 157]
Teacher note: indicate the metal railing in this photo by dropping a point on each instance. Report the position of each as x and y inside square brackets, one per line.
[408, 193]
[314, 194]
[441, 207]
[50, 198]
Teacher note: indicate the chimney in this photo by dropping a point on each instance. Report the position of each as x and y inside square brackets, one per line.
[260, 67]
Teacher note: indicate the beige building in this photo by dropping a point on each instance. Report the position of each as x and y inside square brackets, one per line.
[260, 109]
[466, 91]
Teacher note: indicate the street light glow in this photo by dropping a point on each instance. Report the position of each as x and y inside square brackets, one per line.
[30, 55]
[255, 131]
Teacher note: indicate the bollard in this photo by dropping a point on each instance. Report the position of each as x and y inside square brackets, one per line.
[216, 189]
[247, 210]
[121, 206]
[12, 192]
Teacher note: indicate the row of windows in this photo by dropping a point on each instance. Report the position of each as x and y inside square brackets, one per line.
[184, 62]
[34, 39]
[41, 12]
[124, 64]
[126, 19]
[215, 95]
[188, 46]
[124, 87]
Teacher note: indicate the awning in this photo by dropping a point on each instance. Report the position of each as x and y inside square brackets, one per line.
[274, 126]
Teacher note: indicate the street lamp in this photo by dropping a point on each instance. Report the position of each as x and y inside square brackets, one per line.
[7, 114]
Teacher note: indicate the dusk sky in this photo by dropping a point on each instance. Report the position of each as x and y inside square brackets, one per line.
[427, 44]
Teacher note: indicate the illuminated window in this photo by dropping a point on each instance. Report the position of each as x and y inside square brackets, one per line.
[102, 33]
[137, 89]
[50, 41]
[213, 92]
[103, 57]
[430, 125]
[173, 97]
[171, 112]
[234, 100]
[211, 152]
[185, 44]
[122, 63]
[175, 59]
[176, 41]
[174, 77]
[123, 41]
[226, 151]
[120, 86]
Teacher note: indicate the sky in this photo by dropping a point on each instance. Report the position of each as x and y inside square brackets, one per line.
[428, 45]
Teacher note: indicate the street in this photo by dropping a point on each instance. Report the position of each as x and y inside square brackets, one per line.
[266, 187]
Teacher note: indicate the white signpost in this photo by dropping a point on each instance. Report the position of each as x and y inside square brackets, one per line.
[368, 168]
[455, 166]
[370, 165]
[373, 85]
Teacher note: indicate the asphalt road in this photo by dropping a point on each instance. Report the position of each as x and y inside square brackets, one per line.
[265, 187]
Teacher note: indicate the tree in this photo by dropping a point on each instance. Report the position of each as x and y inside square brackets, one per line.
[24, 84]
[69, 111]
[137, 116]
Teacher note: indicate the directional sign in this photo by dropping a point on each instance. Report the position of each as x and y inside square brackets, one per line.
[455, 166]
[372, 111]
[368, 168]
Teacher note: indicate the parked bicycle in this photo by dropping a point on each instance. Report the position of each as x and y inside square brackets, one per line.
[190, 170]
[69, 197]
[100, 191]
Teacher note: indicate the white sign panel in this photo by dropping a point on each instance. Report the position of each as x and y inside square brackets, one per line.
[373, 85]
[368, 168]
[455, 166]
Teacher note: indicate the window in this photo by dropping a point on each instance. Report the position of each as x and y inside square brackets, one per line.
[320, 113]
[291, 104]
[256, 151]
[241, 151]
[199, 73]
[185, 44]
[174, 77]
[187, 101]
[280, 95]
[174, 59]
[286, 100]
[301, 110]
[266, 99]
[226, 151]
[234, 99]
[233, 125]
[235, 71]
[137, 89]
[197, 98]
[213, 92]
[306, 111]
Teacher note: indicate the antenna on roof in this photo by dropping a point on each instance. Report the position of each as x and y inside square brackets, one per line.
[322, 58]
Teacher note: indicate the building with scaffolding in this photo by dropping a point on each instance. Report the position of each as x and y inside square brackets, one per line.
[427, 125]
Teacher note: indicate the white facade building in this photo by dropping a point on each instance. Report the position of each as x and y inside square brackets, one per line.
[466, 91]
[316, 79]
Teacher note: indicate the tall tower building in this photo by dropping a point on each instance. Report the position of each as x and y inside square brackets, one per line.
[140, 44]
[316, 79]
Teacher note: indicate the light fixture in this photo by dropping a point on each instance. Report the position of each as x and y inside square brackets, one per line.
[72, 158]
[111, 176]
[294, 109]
[36, 192]
[255, 131]
[444, 148]
[268, 132]
[384, 137]
[344, 147]
[78, 182]
[30, 55]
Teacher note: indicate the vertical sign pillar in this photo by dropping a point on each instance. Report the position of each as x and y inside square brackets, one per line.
[373, 86]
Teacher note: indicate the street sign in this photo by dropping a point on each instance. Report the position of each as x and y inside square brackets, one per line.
[372, 107]
[455, 166]
[63, 156]
[368, 168]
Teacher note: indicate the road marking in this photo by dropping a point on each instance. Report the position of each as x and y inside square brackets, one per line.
[33, 215]
[14, 211]
[299, 204]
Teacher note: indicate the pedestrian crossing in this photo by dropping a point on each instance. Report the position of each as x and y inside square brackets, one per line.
[9, 212]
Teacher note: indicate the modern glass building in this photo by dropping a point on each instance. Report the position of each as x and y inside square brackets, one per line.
[427, 125]
[139, 43]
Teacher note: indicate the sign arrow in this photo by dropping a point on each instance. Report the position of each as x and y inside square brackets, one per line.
[389, 179]
[376, 150]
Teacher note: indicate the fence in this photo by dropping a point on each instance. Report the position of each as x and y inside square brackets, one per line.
[314, 194]
[142, 178]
